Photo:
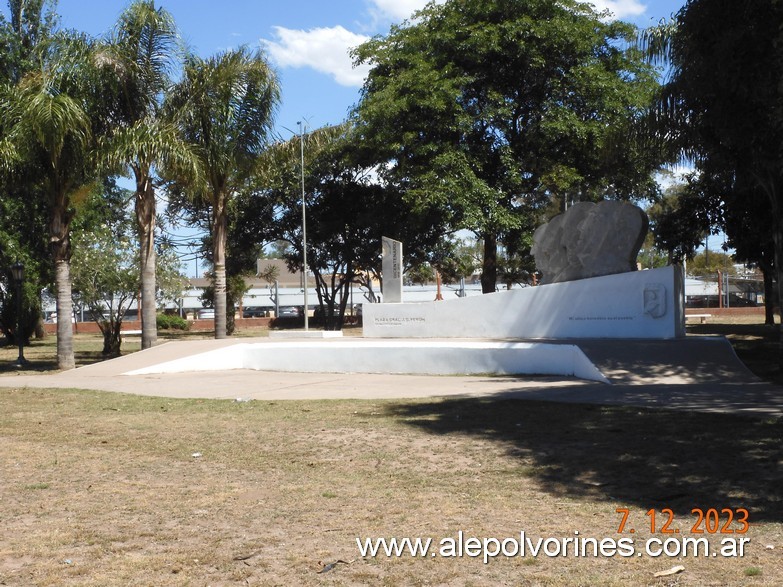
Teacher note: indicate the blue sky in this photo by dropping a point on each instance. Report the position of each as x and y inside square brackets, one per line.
[307, 41]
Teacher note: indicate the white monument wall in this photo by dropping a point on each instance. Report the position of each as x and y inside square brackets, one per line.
[639, 304]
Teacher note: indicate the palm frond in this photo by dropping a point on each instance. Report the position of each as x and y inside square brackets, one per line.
[143, 48]
[655, 42]
[225, 104]
[48, 116]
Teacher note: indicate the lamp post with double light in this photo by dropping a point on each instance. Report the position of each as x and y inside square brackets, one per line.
[17, 273]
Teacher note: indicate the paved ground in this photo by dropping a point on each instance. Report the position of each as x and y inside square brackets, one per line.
[698, 373]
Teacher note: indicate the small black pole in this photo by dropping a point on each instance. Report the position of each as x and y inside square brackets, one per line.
[17, 270]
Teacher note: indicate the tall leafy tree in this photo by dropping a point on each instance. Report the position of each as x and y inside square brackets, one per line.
[492, 108]
[23, 214]
[680, 220]
[141, 55]
[52, 116]
[348, 211]
[722, 109]
[225, 106]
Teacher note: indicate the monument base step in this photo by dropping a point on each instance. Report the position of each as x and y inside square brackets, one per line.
[420, 357]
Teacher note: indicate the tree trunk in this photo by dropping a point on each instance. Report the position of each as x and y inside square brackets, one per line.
[344, 297]
[112, 339]
[777, 238]
[62, 282]
[489, 269]
[145, 216]
[219, 236]
[59, 241]
[769, 296]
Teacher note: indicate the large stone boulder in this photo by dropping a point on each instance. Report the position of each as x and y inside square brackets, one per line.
[590, 240]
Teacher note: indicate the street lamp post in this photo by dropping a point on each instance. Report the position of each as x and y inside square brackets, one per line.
[304, 226]
[17, 272]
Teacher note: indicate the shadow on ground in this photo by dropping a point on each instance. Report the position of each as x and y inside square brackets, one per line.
[653, 458]
[757, 345]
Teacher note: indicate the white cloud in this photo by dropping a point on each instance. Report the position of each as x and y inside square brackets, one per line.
[323, 49]
[620, 8]
[398, 10]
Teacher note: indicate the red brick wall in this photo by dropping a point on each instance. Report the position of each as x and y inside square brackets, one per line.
[195, 325]
[91, 327]
[746, 311]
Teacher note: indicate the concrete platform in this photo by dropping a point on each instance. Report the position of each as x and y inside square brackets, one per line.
[694, 373]
[298, 334]
[402, 357]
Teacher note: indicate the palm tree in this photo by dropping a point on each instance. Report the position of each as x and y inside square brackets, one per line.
[49, 121]
[141, 55]
[225, 106]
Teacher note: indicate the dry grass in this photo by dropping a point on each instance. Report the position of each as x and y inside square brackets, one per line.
[42, 353]
[102, 489]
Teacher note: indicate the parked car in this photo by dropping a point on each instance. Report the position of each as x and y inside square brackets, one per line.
[254, 312]
[206, 314]
[289, 311]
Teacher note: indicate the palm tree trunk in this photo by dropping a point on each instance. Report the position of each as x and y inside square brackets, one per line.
[62, 282]
[219, 223]
[145, 215]
[60, 243]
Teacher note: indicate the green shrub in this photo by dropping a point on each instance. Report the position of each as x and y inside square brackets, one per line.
[172, 321]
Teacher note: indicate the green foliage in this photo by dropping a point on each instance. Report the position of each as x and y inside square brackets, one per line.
[28, 31]
[420, 274]
[22, 238]
[708, 263]
[270, 273]
[105, 280]
[752, 572]
[487, 110]
[105, 264]
[348, 211]
[224, 107]
[171, 322]
[680, 221]
[30, 304]
[650, 256]
[455, 259]
[23, 204]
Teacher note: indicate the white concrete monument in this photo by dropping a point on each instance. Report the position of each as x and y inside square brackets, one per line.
[591, 289]
[640, 304]
[391, 267]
